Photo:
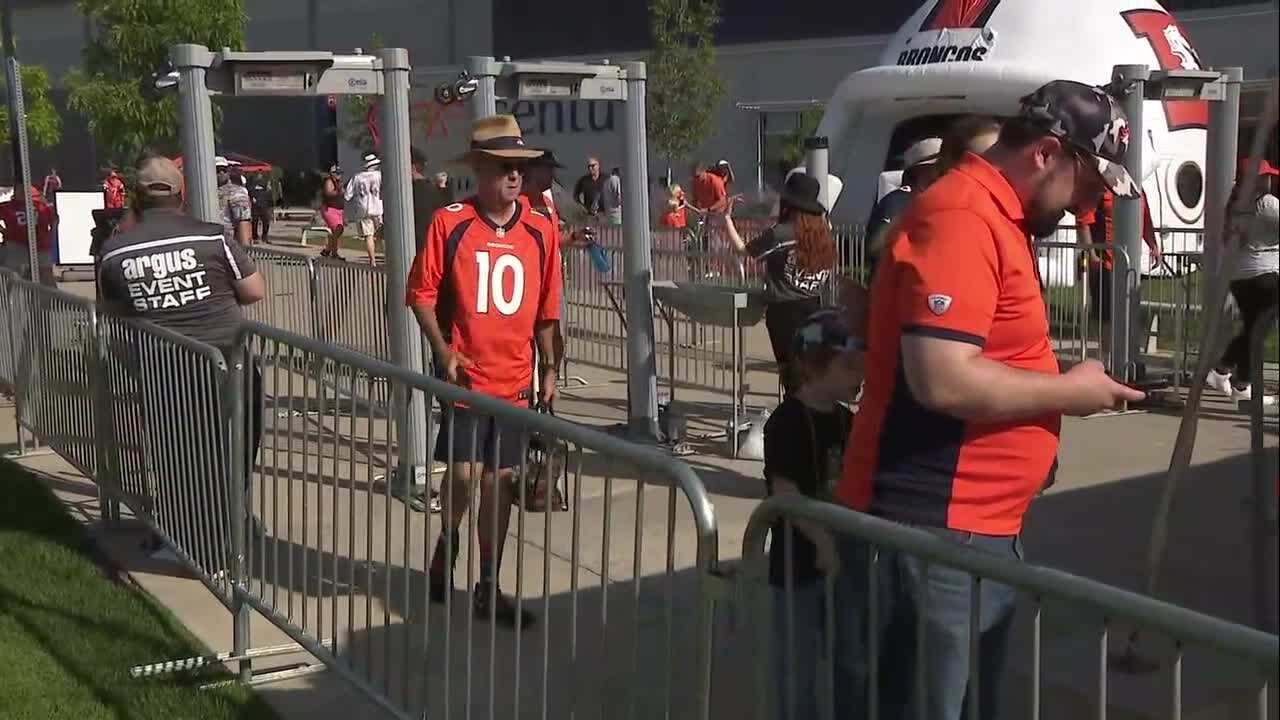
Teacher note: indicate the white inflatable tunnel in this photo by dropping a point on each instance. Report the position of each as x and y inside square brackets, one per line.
[957, 57]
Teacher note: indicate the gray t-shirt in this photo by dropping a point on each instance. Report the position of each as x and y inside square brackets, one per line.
[177, 272]
[1261, 251]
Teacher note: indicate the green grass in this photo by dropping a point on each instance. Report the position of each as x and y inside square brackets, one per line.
[1064, 301]
[69, 634]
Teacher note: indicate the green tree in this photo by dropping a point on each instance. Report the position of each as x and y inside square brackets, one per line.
[131, 42]
[684, 87]
[792, 151]
[44, 126]
[357, 110]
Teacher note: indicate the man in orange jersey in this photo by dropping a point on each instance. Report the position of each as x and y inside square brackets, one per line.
[486, 281]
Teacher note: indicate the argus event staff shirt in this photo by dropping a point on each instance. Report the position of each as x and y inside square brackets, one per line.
[959, 266]
[177, 272]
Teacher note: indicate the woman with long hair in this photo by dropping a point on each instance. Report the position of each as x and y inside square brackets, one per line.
[799, 255]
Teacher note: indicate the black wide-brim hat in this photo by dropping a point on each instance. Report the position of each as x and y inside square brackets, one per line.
[546, 159]
[801, 192]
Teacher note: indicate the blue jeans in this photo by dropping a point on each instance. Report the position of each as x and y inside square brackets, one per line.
[904, 580]
[797, 671]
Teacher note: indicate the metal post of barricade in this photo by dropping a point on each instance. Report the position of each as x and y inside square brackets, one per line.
[195, 114]
[1264, 479]
[233, 396]
[1221, 149]
[405, 337]
[1131, 81]
[107, 476]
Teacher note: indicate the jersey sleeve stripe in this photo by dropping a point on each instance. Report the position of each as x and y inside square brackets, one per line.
[944, 334]
[451, 245]
[231, 261]
[163, 242]
[542, 244]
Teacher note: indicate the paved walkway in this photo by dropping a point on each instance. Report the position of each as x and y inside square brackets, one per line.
[1094, 522]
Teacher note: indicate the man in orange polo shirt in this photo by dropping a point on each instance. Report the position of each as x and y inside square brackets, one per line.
[958, 424]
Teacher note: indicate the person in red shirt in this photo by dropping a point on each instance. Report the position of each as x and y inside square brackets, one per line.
[15, 253]
[1095, 228]
[113, 190]
[675, 215]
[957, 429]
[486, 281]
[710, 193]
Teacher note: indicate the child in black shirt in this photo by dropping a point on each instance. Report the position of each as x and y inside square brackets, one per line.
[804, 444]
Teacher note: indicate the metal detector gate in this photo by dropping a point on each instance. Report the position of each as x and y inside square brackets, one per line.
[200, 74]
[1135, 85]
[623, 83]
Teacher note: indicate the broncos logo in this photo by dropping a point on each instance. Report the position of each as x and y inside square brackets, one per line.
[1181, 48]
[1173, 52]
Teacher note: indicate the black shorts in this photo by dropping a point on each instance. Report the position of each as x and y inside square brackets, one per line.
[479, 438]
[1100, 279]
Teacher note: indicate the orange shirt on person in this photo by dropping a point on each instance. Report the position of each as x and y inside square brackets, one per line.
[959, 266]
[1106, 224]
[710, 192]
[113, 192]
[676, 215]
[489, 285]
[13, 213]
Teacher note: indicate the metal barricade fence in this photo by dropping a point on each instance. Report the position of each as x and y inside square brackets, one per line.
[1169, 330]
[350, 306]
[290, 301]
[163, 407]
[143, 412]
[1082, 297]
[7, 371]
[859, 634]
[340, 557]
[51, 343]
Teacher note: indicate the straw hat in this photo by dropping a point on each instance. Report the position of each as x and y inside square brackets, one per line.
[497, 136]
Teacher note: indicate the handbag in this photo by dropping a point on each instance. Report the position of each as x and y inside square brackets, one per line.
[546, 466]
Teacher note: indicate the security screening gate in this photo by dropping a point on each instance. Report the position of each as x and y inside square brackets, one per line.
[600, 81]
[1135, 85]
[202, 74]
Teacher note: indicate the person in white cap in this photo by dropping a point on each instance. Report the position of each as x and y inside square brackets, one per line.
[364, 204]
[920, 169]
[233, 203]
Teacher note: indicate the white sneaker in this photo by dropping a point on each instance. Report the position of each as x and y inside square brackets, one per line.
[1244, 395]
[1220, 382]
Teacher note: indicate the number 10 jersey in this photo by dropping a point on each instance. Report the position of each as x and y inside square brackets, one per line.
[490, 285]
